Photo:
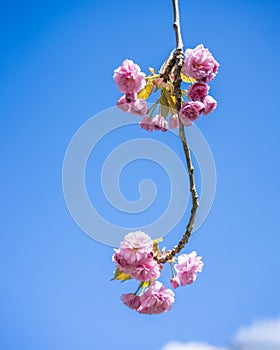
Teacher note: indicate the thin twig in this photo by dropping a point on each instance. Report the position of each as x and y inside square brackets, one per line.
[177, 61]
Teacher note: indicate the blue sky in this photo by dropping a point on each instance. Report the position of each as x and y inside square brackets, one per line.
[57, 60]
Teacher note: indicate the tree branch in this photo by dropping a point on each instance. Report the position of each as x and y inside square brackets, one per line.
[177, 61]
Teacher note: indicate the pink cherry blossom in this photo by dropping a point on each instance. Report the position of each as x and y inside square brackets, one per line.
[200, 64]
[138, 107]
[174, 121]
[190, 111]
[187, 268]
[160, 123]
[137, 240]
[198, 91]
[148, 271]
[131, 300]
[136, 248]
[129, 77]
[175, 282]
[135, 257]
[146, 124]
[156, 299]
[122, 263]
[209, 105]
[130, 104]
[123, 104]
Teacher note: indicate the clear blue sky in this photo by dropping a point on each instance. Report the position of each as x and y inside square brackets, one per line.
[56, 65]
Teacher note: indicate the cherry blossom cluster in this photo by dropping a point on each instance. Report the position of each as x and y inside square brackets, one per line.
[200, 67]
[135, 258]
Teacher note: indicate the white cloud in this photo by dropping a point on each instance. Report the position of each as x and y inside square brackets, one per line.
[262, 335]
[190, 346]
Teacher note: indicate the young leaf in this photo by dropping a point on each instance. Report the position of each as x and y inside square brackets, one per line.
[146, 91]
[164, 103]
[172, 103]
[152, 70]
[187, 79]
[156, 242]
[121, 276]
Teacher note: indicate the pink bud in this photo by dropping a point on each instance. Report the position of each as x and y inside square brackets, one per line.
[175, 282]
[174, 121]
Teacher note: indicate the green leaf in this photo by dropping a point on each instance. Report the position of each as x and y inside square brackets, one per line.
[146, 91]
[164, 103]
[172, 103]
[187, 79]
[121, 276]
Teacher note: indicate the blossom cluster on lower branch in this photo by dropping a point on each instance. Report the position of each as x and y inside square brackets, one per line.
[135, 258]
[199, 68]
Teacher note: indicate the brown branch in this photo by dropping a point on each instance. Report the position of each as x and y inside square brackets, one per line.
[177, 61]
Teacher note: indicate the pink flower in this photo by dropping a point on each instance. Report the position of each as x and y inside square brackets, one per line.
[156, 299]
[198, 91]
[187, 268]
[209, 105]
[137, 240]
[148, 271]
[136, 248]
[190, 111]
[175, 282]
[131, 300]
[123, 104]
[129, 77]
[139, 107]
[174, 121]
[135, 257]
[200, 64]
[160, 123]
[121, 262]
[130, 104]
[146, 124]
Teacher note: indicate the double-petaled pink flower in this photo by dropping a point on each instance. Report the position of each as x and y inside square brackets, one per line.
[129, 77]
[135, 257]
[146, 124]
[156, 299]
[209, 105]
[160, 123]
[132, 105]
[157, 123]
[190, 112]
[187, 268]
[200, 64]
[131, 300]
[198, 91]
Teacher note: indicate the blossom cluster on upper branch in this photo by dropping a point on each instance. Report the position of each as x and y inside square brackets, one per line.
[199, 68]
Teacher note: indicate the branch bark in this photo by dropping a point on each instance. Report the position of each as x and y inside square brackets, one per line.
[176, 62]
